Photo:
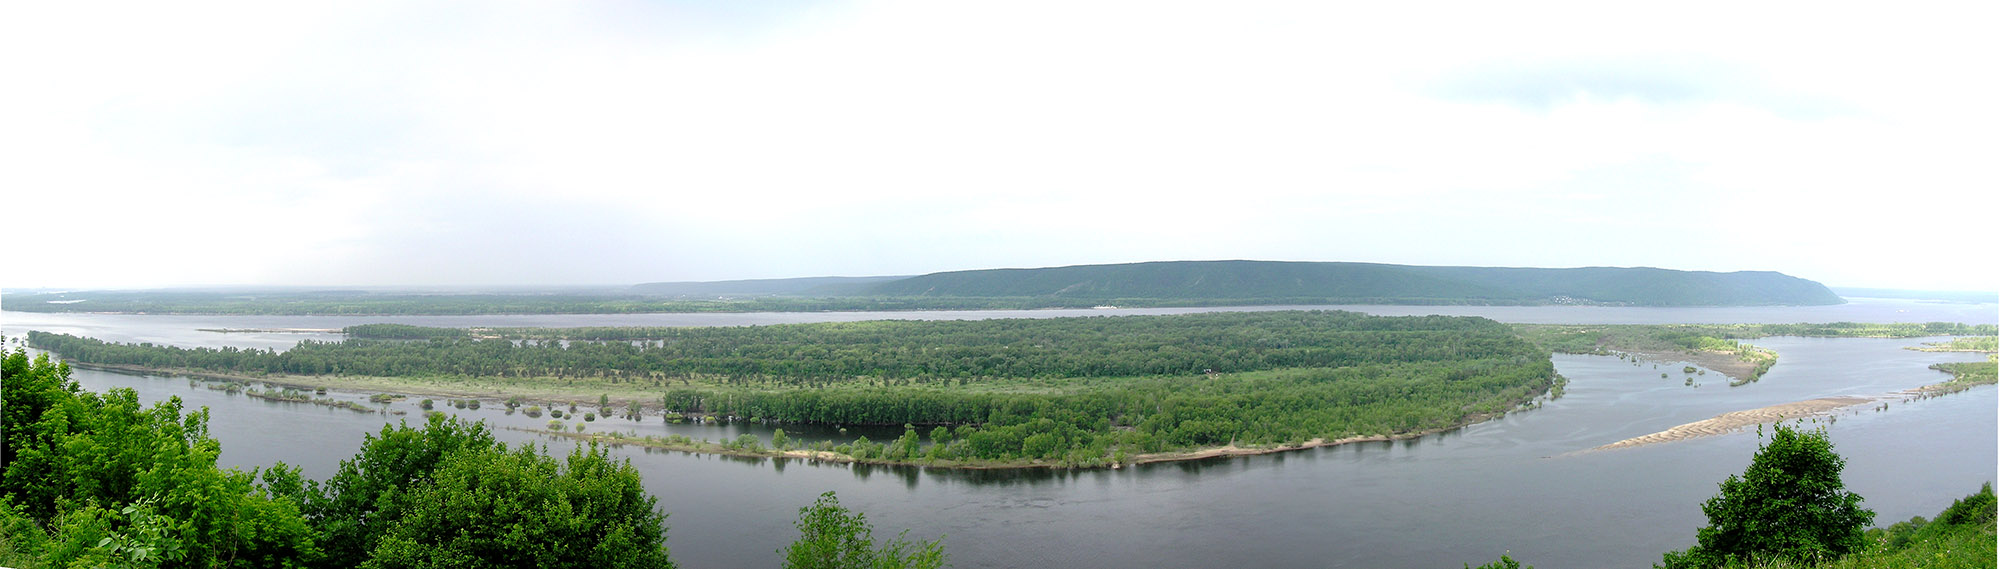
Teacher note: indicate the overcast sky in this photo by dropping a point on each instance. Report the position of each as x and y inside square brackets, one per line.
[447, 143]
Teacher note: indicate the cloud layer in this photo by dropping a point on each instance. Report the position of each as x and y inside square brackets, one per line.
[617, 142]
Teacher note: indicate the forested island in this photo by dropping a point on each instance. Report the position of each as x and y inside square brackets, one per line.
[1084, 391]
[1158, 284]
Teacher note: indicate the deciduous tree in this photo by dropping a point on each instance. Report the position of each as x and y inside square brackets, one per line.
[1788, 505]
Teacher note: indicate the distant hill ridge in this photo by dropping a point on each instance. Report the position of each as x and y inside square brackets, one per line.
[1336, 282]
[829, 286]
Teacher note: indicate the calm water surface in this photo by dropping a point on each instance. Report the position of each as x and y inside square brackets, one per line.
[187, 330]
[1523, 483]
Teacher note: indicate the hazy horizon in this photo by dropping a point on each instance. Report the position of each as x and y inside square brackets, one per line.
[478, 145]
[616, 287]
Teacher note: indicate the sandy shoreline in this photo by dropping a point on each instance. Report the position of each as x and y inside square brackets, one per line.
[1735, 420]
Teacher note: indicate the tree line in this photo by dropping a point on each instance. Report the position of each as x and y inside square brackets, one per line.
[1069, 391]
[100, 480]
[826, 353]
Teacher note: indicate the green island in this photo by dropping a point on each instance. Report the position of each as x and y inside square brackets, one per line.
[1156, 284]
[1058, 392]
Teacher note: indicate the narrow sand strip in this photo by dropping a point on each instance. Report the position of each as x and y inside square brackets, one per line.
[1734, 420]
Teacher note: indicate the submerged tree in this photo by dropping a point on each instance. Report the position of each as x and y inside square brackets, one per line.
[1789, 505]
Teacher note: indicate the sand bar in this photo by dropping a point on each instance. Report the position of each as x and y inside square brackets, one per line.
[1734, 420]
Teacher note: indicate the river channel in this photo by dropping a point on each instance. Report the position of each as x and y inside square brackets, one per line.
[1523, 483]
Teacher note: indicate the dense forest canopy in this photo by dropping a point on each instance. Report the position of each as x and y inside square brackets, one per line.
[1338, 283]
[100, 480]
[1091, 387]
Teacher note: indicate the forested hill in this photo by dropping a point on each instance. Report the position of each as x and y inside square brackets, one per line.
[1369, 283]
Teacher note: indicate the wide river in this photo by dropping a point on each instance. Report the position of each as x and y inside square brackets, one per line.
[1523, 483]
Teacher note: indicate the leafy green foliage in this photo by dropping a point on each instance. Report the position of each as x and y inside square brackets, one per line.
[22, 541]
[1966, 374]
[1971, 510]
[488, 507]
[831, 537]
[1788, 505]
[112, 480]
[1505, 562]
[1961, 538]
[353, 509]
[99, 480]
[816, 354]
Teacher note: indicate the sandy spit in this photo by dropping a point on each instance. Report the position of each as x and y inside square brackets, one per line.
[1734, 420]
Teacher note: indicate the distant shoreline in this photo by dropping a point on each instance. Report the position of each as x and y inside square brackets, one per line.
[271, 330]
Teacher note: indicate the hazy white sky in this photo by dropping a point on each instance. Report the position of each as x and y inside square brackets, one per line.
[358, 143]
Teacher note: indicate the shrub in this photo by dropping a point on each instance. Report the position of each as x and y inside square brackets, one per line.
[831, 537]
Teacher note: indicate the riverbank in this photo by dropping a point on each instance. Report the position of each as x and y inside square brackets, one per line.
[726, 448]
